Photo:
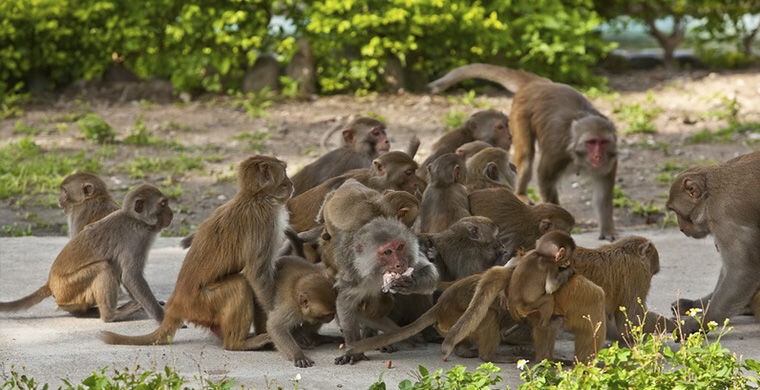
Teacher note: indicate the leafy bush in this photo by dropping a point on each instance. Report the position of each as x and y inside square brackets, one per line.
[96, 129]
[457, 378]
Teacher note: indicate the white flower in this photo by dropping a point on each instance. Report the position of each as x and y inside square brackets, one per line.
[522, 364]
[693, 311]
[297, 378]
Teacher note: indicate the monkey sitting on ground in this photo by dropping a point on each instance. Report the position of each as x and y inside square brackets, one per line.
[469, 149]
[537, 275]
[104, 254]
[84, 199]
[444, 201]
[571, 135]
[229, 270]
[304, 300]
[381, 256]
[490, 168]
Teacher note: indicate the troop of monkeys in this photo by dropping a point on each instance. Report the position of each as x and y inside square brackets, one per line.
[388, 248]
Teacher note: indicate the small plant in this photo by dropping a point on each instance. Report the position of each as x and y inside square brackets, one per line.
[255, 139]
[17, 230]
[468, 99]
[140, 166]
[639, 117]
[11, 99]
[23, 128]
[668, 170]
[96, 129]
[140, 136]
[289, 87]
[456, 378]
[454, 119]
[254, 103]
[727, 134]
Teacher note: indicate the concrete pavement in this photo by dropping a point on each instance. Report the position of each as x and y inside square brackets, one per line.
[51, 345]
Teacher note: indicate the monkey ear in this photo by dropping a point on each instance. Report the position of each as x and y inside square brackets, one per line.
[88, 189]
[474, 232]
[349, 136]
[266, 174]
[457, 172]
[379, 167]
[491, 171]
[402, 212]
[139, 205]
[545, 225]
[694, 185]
[303, 300]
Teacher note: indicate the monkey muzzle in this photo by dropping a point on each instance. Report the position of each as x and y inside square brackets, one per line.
[390, 277]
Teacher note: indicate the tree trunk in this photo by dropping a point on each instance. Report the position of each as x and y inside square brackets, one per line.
[668, 42]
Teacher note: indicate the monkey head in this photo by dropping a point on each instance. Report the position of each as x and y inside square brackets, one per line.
[264, 175]
[688, 199]
[552, 217]
[384, 245]
[77, 188]
[557, 245]
[594, 143]
[370, 134]
[446, 170]
[398, 170]
[405, 205]
[316, 298]
[491, 126]
[149, 205]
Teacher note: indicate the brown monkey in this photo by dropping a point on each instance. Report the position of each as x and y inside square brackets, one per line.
[444, 314]
[520, 225]
[107, 252]
[363, 140]
[490, 168]
[382, 255]
[579, 301]
[84, 199]
[444, 200]
[538, 274]
[469, 246]
[567, 127]
[624, 270]
[722, 200]
[303, 301]
[469, 149]
[230, 266]
[490, 126]
[393, 170]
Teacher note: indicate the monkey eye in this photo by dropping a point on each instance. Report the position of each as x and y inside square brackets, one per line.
[387, 252]
[163, 203]
[409, 172]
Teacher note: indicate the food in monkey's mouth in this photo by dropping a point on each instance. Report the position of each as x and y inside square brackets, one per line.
[389, 277]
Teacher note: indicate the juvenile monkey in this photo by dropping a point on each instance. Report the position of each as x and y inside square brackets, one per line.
[569, 131]
[84, 199]
[230, 265]
[469, 149]
[444, 201]
[304, 300]
[490, 168]
[107, 252]
[538, 274]
[364, 139]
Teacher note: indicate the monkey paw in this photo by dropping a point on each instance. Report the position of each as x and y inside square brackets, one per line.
[391, 348]
[681, 306]
[303, 362]
[607, 236]
[350, 358]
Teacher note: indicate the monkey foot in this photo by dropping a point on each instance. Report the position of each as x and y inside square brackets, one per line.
[303, 362]
[350, 358]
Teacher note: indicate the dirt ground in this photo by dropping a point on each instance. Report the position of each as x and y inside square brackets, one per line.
[689, 102]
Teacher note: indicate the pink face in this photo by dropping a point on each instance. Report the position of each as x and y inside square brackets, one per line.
[392, 255]
[381, 139]
[597, 150]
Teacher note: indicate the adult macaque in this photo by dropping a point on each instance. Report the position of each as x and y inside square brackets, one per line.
[538, 274]
[364, 139]
[624, 270]
[579, 301]
[570, 133]
[490, 126]
[393, 170]
[303, 302]
[230, 265]
[469, 246]
[722, 200]
[520, 225]
[107, 252]
[84, 199]
[444, 200]
[381, 256]
[482, 342]
[490, 168]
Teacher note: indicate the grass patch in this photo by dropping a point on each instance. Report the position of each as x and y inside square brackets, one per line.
[255, 140]
[639, 117]
[142, 166]
[27, 169]
[96, 129]
[727, 134]
[469, 99]
[454, 119]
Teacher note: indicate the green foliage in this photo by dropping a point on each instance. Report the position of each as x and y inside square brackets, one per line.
[638, 116]
[141, 166]
[457, 378]
[668, 171]
[17, 230]
[255, 139]
[96, 129]
[723, 58]
[254, 103]
[23, 128]
[727, 24]
[727, 134]
[140, 135]
[469, 99]
[26, 168]
[621, 200]
[454, 119]
[353, 41]
[10, 97]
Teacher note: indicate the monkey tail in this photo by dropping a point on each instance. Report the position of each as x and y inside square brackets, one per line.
[414, 146]
[490, 285]
[27, 301]
[403, 333]
[187, 241]
[162, 335]
[510, 79]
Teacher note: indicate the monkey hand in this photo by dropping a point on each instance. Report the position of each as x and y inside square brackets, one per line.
[682, 306]
[402, 285]
[350, 358]
[392, 280]
[303, 362]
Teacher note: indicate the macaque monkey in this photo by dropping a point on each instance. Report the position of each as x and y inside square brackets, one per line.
[303, 302]
[364, 139]
[469, 149]
[84, 199]
[469, 246]
[571, 135]
[482, 342]
[579, 301]
[520, 225]
[444, 201]
[230, 265]
[382, 256]
[722, 200]
[490, 168]
[624, 270]
[538, 274]
[104, 254]
[393, 170]
[490, 126]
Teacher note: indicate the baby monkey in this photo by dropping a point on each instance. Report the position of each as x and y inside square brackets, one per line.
[538, 274]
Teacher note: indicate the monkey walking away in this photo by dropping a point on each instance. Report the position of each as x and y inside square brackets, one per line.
[104, 255]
